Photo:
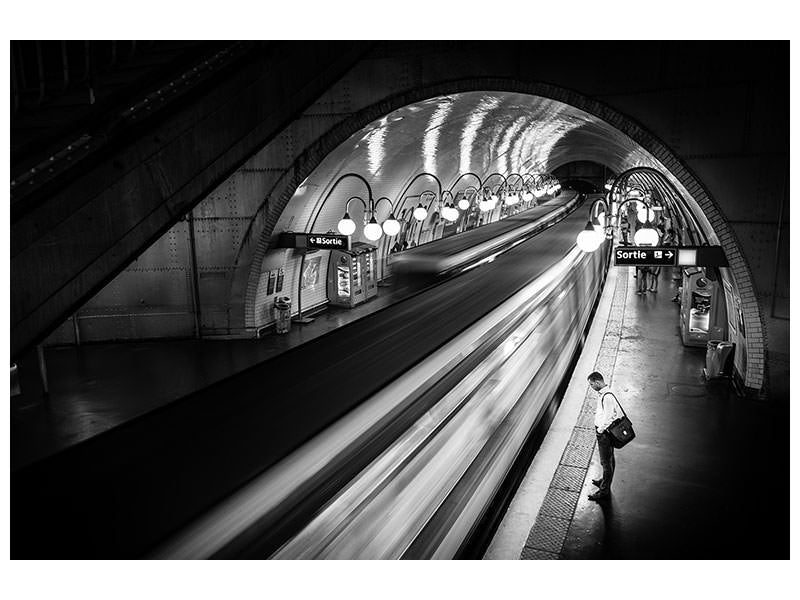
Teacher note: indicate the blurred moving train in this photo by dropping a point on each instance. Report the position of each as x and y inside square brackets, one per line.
[439, 476]
[458, 253]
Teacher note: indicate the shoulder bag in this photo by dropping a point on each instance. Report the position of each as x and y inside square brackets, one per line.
[621, 429]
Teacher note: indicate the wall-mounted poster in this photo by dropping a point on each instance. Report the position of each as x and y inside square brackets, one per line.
[311, 273]
[279, 282]
[271, 283]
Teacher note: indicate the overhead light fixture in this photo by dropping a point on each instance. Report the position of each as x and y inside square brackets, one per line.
[391, 226]
[452, 213]
[373, 230]
[346, 226]
[644, 213]
[646, 236]
[588, 239]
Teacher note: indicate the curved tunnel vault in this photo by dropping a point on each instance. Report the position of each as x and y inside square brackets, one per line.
[457, 127]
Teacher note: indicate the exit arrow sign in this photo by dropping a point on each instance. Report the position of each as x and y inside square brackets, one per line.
[645, 256]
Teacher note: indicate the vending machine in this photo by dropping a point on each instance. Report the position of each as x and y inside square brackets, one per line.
[352, 275]
[703, 311]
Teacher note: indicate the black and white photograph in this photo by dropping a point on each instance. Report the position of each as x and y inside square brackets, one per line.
[494, 299]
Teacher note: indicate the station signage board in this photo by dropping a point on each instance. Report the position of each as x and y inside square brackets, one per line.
[315, 241]
[669, 256]
[328, 241]
[645, 256]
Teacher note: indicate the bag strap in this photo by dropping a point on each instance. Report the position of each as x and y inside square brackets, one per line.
[615, 398]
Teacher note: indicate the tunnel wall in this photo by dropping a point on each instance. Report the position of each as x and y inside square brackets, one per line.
[139, 168]
[714, 114]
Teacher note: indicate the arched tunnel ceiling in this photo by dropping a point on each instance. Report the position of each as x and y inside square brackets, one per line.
[481, 132]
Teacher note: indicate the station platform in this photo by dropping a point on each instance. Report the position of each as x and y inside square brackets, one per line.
[707, 476]
[95, 387]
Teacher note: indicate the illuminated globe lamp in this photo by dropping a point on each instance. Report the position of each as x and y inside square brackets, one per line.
[527, 195]
[484, 205]
[454, 212]
[373, 231]
[512, 199]
[646, 236]
[450, 213]
[420, 212]
[463, 204]
[346, 226]
[492, 200]
[644, 213]
[588, 239]
[391, 226]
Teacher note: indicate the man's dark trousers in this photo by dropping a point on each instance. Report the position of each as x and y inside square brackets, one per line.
[606, 451]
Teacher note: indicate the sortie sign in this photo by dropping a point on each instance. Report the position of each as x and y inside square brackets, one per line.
[314, 241]
[645, 256]
[328, 241]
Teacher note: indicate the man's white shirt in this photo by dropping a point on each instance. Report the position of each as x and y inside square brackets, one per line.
[607, 409]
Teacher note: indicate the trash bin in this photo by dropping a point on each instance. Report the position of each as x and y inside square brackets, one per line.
[725, 352]
[717, 354]
[283, 314]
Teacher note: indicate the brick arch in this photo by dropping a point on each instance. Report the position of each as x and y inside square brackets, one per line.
[246, 280]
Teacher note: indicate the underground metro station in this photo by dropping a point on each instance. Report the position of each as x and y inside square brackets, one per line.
[317, 300]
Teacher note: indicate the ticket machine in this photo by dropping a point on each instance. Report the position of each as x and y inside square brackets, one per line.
[703, 312]
[352, 275]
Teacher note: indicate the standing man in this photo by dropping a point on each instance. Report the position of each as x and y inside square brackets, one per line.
[605, 413]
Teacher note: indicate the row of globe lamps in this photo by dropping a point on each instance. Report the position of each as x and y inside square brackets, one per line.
[489, 198]
[599, 227]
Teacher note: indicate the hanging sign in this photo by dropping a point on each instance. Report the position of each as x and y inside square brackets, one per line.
[644, 256]
[317, 241]
[328, 241]
[648, 256]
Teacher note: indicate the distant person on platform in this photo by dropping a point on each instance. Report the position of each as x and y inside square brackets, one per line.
[641, 275]
[606, 412]
[652, 275]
